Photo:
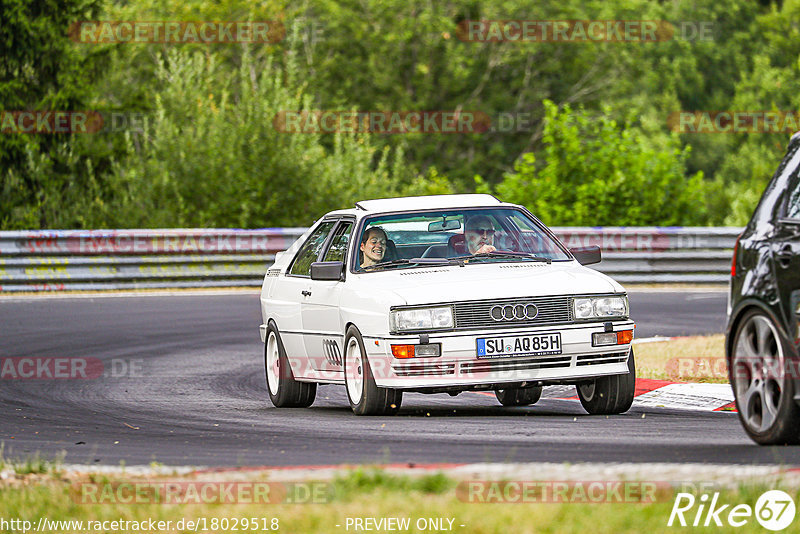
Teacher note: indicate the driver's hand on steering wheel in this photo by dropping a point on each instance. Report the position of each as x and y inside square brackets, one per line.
[485, 248]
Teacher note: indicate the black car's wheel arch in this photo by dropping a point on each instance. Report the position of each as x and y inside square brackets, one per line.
[744, 306]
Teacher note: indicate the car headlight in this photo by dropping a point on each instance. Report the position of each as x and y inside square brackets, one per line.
[593, 307]
[421, 319]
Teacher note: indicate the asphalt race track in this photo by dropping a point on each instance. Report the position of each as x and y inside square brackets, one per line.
[187, 387]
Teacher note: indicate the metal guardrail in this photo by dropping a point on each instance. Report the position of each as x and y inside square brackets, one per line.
[678, 254]
[59, 260]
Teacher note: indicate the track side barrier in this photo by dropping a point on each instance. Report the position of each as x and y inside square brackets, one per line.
[59, 260]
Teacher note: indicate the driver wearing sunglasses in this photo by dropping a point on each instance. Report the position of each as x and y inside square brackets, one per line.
[479, 235]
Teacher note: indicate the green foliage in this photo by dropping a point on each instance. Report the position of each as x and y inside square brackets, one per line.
[360, 481]
[209, 154]
[596, 172]
[34, 464]
[42, 177]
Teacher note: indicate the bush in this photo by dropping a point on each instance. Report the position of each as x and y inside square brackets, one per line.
[211, 155]
[596, 172]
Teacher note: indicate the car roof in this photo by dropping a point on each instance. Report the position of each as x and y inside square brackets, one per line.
[427, 202]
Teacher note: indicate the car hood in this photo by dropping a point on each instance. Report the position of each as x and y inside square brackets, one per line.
[491, 281]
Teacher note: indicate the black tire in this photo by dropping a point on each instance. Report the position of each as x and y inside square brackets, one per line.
[365, 397]
[284, 391]
[519, 396]
[761, 384]
[609, 394]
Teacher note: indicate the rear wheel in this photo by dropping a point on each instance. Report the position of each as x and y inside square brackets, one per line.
[365, 397]
[763, 391]
[519, 396]
[609, 394]
[284, 391]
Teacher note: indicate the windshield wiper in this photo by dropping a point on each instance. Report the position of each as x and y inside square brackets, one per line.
[415, 261]
[504, 254]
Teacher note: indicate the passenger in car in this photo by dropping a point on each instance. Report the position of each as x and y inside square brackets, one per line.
[479, 234]
[373, 246]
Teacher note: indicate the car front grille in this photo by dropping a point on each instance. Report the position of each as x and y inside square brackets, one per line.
[597, 359]
[425, 369]
[541, 362]
[489, 366]
[478, 314]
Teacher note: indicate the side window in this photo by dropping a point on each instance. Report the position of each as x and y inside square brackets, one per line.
[532, 240]
[793, 207]
[310, 250]
[338, 249]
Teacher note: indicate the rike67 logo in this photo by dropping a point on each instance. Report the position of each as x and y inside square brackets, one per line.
[774, 510]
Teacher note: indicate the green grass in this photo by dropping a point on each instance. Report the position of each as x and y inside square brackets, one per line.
[38, 465]
[35, 464]
[362, 480]
[372, 493]
[683, 359]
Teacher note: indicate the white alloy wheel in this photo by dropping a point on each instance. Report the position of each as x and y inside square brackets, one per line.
[364, 395]
[611, 394]
[587, 390]
[273, 363]
[284, 391]
[354, 371]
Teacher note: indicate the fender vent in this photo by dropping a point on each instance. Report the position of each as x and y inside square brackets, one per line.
[332, 353]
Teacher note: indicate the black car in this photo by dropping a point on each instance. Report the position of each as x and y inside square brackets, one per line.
[762, 336]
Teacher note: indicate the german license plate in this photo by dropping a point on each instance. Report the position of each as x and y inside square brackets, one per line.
[533, 345]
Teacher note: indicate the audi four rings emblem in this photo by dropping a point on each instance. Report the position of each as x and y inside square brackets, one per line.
[512, 312]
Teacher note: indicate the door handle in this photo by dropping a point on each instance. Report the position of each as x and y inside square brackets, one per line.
[306, 293]
[785, 256]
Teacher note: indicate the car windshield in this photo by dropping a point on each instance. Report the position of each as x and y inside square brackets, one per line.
[411, 240]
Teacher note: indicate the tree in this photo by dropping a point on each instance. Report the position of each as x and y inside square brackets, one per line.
[595, 171]
[42, 176]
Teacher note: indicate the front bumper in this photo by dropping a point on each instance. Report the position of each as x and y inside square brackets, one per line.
[459, 366]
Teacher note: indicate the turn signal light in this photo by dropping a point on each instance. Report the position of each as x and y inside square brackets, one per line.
[624, 337]
[403, 351]
[423, 350]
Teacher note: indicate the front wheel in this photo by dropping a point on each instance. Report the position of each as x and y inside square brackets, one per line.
[284, 391]
[609, 394]
[763, 391]
[519, 396]
[365, 397]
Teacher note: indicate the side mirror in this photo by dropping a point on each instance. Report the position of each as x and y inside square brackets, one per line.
[327, 270]
[586, 255]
